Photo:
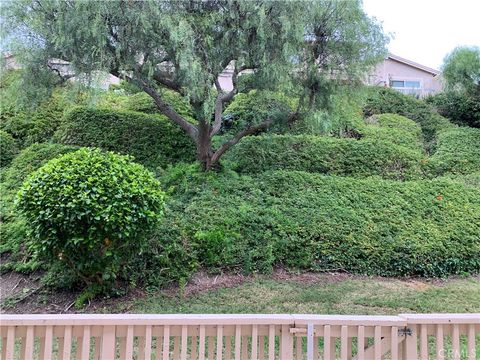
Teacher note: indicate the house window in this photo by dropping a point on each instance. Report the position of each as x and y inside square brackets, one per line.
[397, 83]
[405, 84]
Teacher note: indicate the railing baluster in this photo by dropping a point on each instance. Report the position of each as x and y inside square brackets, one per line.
[254, 341]
[148, 342]
[184, 343]
[219, 342]
[238, 341]
[201, 344]
[29, 343]
[344, 343]
[166, 342]
[377, 343]
[394, 342]
[361, 342]
[48, 343]
[471, 342]
[439, 343]
[271, 342]
[10, 352]
[327, 340]
[456, 342]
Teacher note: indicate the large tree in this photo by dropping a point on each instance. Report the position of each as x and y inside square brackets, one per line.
[184, 46]
[461, 70]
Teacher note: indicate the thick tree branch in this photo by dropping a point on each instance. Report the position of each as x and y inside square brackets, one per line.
[245, 132]
[166, 109]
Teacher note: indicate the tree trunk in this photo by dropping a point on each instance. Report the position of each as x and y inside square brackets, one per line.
[204, 146]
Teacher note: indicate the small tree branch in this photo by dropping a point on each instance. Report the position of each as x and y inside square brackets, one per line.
[245, 132]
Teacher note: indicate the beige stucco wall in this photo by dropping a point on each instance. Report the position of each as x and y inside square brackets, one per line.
[391, 69]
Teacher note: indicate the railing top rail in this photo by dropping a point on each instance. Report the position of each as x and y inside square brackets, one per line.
[473, 318]
[234, 319]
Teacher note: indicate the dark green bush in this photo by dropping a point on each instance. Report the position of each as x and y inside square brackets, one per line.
[151, 139]
[394, 128]
[14, 229]
[257, 106]
[458, 152]
[460, 108]
[8, 148]
[91, 210]
[327, 155]
[30, 159]
[311, 221]
[381, 100]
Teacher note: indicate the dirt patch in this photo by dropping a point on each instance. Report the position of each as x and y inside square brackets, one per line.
[24, 294]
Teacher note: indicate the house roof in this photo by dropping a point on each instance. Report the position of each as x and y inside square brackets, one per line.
[414, 64]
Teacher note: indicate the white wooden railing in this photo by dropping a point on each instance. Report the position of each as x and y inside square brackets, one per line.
[132, 336]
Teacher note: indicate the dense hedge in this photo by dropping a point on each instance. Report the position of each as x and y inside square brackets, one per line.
[257, 106]
[151, 139]
[90, 210]
[394, 128]
[460, 108]
[311, 221]
[458, 152]
[327, 155]
[380, 100]
[8, 148]
[14, 229]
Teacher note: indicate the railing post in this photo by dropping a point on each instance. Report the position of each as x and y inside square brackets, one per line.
[286, 344]
[410, 350]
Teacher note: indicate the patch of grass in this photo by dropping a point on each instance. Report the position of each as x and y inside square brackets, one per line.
[368, 296]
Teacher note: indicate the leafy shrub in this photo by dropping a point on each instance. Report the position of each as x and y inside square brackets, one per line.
[327, 155]
[381, 100]
[14, 229]
[394, 128]
[91, 210]
[8, 148]
[151, 139]
[311, 221]
[460, 108]
[458, 152]
[32, 158]
[257, 106]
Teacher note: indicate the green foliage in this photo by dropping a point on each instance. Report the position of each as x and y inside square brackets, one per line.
[457, 152]
[30, 159]
[14, 229]
[394, 128]
[381, 100]
[91, 210]
[256, 106]
[461, 70]
[327, 155]
[460, 107]
[142, 102]
[152, 140]
[311, 221]
[8, 148]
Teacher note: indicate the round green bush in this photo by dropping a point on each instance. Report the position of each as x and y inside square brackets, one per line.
[381, 100]
[461, 108]
[152, 140]
[8, 148]
[257, 106]
[91, 210]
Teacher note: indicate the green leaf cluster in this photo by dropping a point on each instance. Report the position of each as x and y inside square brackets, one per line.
[8, 148]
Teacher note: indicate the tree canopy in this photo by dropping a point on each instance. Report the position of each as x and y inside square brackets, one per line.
[302, 46]
[461, 70]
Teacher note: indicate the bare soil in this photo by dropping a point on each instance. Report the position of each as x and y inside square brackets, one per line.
[24, 294]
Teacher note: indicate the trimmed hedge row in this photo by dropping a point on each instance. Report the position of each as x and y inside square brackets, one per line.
[8, 148]
[311, 221]
[327, 155]
[381, 100]
[152, 140]
[394, 128]
[458, 152]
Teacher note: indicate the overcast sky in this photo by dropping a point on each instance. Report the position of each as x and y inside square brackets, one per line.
[427, 30]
